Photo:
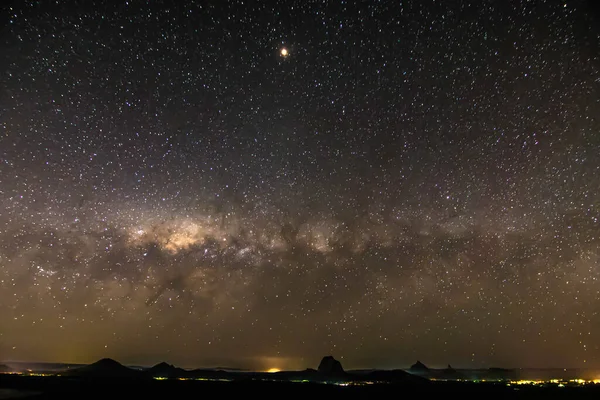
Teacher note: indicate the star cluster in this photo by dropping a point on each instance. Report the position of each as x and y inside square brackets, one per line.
[260, 184]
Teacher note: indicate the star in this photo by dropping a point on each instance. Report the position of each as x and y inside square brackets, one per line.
[284, 52]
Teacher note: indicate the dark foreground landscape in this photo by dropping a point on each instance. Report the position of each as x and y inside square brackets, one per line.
[79, 388]
[109, 379]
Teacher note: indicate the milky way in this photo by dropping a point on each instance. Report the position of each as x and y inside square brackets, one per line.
[407, 180]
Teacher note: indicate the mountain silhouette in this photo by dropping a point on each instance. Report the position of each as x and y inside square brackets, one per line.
[419, 367]
[450, 373]
[330, 366]
[165, 370]
[105, 368]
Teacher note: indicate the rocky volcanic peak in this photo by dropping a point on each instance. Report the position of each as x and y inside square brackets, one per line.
[330, 366]
[419, 366]
[166, 370]
[450, 373]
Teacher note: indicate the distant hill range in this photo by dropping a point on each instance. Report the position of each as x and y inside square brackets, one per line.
[450, 373]
[447, 373]
[328, 370]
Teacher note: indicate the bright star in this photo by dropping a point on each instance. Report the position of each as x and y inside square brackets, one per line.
[284, 52]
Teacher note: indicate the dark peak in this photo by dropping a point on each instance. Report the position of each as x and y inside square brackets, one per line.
[450, 373]
[419, 366]
[330, 366]
[163, 365]
[103, 368]
[166, 370]
[107, 363]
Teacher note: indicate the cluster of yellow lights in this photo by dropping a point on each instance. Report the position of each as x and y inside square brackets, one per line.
[162, 378]
[559, 382]
[359, 383]
[27, 373]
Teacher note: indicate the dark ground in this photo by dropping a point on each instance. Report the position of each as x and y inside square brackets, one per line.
[77, 388]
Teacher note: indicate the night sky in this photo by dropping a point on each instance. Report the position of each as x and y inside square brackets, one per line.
[260, 184]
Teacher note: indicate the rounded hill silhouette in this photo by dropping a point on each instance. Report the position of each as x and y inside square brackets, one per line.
[104, 368]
